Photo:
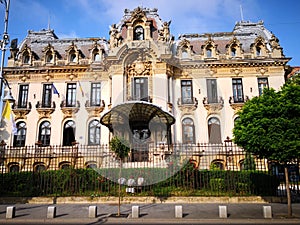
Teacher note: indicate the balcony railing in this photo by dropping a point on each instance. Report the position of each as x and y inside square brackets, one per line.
[187, 104]
[211, 105]
[137, 98]
[45, 109]
[21, 110]
[95, 108]
[237, 102]
[69, 109]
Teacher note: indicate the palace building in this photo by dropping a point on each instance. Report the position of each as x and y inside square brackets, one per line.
[143, 83]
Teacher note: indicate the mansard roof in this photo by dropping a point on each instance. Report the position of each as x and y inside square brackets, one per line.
[245, 32]
[38, 40]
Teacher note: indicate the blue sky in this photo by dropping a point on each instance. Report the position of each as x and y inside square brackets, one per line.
[92, 18]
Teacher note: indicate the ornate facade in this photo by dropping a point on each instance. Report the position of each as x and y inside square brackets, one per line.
[64, 87]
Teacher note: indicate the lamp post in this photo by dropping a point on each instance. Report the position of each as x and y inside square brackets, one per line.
[3, 43]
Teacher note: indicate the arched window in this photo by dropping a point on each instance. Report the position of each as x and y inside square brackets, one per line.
[69, 133]
[91, 165]
[184, 54]
[258, 51]
[14, 168]
[94, 132]
[64, 165]
[139, 33]
[39, 167]
[233, 52]
[208, 52]
[73, 57]
[26, 58]
[44, 133]
[214, 131]
[20, 136]
[217, 165]
[49, 57]
[97, 57]
[188, 131]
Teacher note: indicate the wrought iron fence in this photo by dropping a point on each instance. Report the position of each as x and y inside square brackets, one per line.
[150, 169]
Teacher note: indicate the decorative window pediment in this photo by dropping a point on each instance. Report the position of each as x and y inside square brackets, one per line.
[259, 48]
[209, 49]
[234, 48]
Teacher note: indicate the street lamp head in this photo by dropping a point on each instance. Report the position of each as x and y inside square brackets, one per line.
[8, 97]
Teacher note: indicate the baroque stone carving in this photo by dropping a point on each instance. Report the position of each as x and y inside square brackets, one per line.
[139, 68]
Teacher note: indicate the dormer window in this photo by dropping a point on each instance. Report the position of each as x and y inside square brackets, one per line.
[49, 57]
[258, 51]
[97, 55]
[26, 58]
[208, 53]
[233, 52]
[139, 33]
[73, 57]
[184, 54]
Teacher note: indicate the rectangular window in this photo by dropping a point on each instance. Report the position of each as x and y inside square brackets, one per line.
[186, 92]
[237, 89]
[23, 96]
[140, 89]
[262, 83]
[212, 93]
[95, 94]
[47, 95]
[71, 95]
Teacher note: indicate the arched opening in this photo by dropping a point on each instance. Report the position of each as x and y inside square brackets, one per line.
[20, 136]
[94, 132]
[69, 133]
[44, 133]
[214, 131]
[188, 131]
[139, 33]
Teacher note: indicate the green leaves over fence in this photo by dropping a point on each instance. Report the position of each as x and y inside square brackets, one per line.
[186, 182]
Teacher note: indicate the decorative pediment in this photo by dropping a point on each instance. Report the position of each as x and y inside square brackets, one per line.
[137, 14]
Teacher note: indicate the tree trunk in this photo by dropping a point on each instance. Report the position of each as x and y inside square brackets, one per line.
[288, 191]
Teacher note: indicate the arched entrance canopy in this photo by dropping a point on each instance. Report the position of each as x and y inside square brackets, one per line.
[136, 113]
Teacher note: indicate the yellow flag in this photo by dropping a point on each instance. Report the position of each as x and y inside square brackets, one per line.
[6, 111]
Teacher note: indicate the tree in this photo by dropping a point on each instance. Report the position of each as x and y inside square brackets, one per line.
[268, 127]
[121, 148]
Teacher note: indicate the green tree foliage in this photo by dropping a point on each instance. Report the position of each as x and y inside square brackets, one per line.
[120, 147]
[269, 125]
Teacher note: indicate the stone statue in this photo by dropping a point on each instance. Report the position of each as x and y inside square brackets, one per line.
[164, 33]
[115, 36]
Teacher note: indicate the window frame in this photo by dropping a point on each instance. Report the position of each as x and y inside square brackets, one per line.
[94, 132]
[47, 95]
[140, 90]
[95, 99]
[188, 131]
[71, 95]
[212, 90]
[45, 133]
[19, 139]
[262, 85]
[23, 95]
[237, 90]
[186, 87]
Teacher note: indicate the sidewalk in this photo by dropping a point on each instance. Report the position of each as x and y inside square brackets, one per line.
[149, 212]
